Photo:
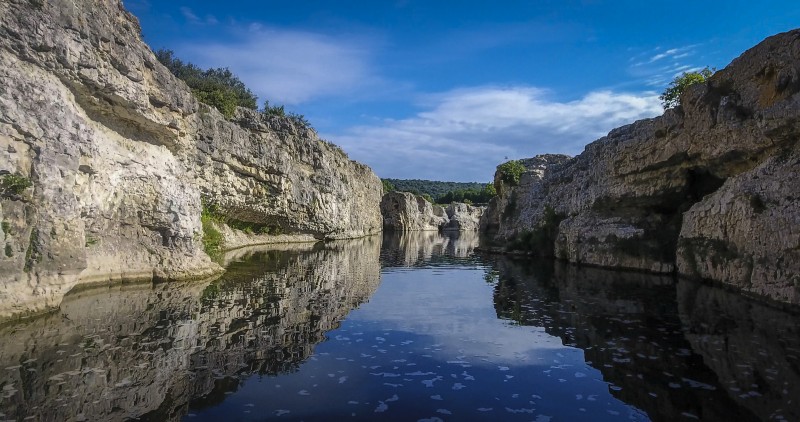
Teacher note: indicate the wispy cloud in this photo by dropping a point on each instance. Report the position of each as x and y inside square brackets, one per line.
[464, 134]
[657, 67]
[192, 18]
[289, 66]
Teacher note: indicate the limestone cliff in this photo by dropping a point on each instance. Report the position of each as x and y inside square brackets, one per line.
[404, 211]
[119, 157]
[708, 190]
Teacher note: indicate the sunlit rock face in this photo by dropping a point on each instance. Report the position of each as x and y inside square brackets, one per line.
[702, 352]
[406, 212]
[707, 190]
[119, 154]
[140, 350]
[463, 217]
[411, 248]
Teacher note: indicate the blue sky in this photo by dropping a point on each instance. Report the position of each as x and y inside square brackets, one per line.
[447, 90]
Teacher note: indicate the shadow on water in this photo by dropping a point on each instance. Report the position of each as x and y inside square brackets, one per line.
[676, 350]
[147, 351]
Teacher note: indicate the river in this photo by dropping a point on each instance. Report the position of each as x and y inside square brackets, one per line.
[405, 327]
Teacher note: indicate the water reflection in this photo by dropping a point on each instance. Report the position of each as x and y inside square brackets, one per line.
[431, 331]
[146, 351]
[409, 249]
[722, 357]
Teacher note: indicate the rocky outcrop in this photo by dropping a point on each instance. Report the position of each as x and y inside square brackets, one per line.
[404, 211]
[706, 190]
[142, 351]
[119, 157]
[463, 217]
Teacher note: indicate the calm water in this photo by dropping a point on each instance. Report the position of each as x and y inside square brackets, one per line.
[404, 328]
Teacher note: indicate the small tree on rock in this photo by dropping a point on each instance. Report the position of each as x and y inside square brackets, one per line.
[672, 95]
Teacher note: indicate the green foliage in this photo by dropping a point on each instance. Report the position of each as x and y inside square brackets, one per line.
[13, 184]
[435, 189]
[280, 111]
[469, 196]
[212, 238]
[269, 110]
[387, 186]
[427, 197]
[9, 250]
[671, 97]
[511, 171]
[6, 227]
[299, 119]
[218, 87]
[90, 241]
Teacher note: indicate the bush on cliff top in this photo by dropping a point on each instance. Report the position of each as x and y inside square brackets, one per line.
[671, 97]
[216, 87]
[510, 172]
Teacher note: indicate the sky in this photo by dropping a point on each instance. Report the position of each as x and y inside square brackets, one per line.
[446, 90]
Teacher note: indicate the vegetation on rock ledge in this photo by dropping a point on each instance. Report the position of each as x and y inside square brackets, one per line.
[672, 95]
[511, 171]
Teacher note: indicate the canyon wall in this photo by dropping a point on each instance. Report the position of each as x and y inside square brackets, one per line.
[107, 161]
[708, 190]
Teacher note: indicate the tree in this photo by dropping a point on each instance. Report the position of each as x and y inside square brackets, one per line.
[672, 95]
[511, 171]
[387, 186]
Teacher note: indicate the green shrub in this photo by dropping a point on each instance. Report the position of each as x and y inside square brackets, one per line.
[13, 184]
[212, 238]
[510, 172]
[671, 97]
[269, 110]
[218, 87]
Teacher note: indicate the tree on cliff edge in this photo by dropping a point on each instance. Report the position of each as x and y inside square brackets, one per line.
[672, 95]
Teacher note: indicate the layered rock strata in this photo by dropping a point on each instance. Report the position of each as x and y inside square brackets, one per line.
[404, 211]
[106, 159]
[708, 190]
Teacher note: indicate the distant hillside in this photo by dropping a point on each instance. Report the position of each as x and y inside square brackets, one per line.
[433, 188]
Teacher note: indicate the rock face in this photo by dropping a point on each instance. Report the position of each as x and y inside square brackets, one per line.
[463, 217]
[404, 211]
[708, 190]
[120, 156]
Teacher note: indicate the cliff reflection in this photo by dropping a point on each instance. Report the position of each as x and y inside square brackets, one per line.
[144, 351]
[722, 357]
[408, 249]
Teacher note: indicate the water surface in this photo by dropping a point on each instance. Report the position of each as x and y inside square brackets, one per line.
[413, 327]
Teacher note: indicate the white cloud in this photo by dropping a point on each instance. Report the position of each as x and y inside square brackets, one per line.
[464, 134]
[656, 68]
[290, 67]
[191, 17]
